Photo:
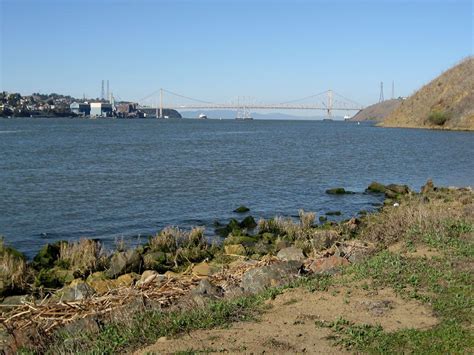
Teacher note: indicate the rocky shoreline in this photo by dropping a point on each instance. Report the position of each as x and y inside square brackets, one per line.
[78, 286]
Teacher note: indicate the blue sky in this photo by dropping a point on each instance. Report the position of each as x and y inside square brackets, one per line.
[217, 50]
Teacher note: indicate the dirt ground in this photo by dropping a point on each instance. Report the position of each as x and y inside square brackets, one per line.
[288, 326]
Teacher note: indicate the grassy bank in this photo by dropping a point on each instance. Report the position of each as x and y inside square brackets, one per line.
[423, 253]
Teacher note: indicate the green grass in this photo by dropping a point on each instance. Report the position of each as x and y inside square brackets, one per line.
[438, 117]
[446, 338]
[146, 327]
[442, 283]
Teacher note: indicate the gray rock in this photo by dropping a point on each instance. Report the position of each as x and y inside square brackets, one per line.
[258, 279]
[124, 262]
[291, 253]
[77, 291]
[11, 302]
[205, 292]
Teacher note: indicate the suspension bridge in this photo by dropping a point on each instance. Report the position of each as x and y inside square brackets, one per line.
[327, 101]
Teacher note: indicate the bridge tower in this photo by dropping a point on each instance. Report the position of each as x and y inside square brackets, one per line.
[161, 103]
[330, 99]
[381, 99]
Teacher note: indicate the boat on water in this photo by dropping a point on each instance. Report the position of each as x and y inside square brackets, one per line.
[202, 116]
[347, 117]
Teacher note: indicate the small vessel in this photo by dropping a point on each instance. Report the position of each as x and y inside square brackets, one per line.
[202, 116]
[346, 117]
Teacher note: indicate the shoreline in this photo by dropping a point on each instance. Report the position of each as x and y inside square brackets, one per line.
[81, 273]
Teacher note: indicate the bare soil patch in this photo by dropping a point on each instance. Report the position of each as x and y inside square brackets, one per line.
[289, 324]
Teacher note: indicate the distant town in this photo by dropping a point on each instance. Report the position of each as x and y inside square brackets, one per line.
[56, 105]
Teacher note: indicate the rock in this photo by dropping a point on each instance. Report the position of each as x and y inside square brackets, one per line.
[98, 275]
[155, 261]
[54, 278]
[12, 270]
[323, 218]
[291, 253]
[391, 194]
[339, 191]
[235, 249]
[86, 325]
[323, 239]
[124, 262]
[397, 189]
[328, 265]
[127, 280]
[102, 286]
[12, 302]
[202, 269]
[242, 209]
[376, 187]
[333, 213]
[263, 247]
[205, 292]
[281, 244]
[172, 275]
[77, 290]
[248, 223]
[234, 292]
[240, 239]
[258, 279]
[428, 187]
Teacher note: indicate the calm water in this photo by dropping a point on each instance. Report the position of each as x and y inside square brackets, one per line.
[63, 179]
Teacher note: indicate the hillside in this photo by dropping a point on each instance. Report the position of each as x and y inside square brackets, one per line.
[377, 112]
[447, 102]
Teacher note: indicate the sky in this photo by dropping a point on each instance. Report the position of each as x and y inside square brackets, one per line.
[271, 51]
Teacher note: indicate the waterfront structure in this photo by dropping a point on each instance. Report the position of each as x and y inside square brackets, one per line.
[100, 109]
[80, 109]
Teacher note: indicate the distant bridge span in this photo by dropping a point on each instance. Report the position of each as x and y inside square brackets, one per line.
[326, 101]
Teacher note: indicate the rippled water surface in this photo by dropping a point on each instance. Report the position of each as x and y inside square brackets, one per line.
[63, 178]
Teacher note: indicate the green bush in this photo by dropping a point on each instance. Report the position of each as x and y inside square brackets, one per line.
[438, 117]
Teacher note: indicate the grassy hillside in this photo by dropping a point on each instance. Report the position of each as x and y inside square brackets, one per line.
[447, 102]
[377, 112]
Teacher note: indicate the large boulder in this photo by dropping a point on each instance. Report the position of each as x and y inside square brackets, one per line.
[124, 262]
[330, 265]
[398, 189]
[291, 253]
[248, 223]
[242, 209]
[205, 292]
[376, 187]
[76, 291]
[53, 278]
[339, 191]
[155, 260]
[258, 279]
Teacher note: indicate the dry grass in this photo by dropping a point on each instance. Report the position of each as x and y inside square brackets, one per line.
[84, 256]
[413, 215]
[12, 268]
[171, 239]
[450, 93]
[306, 219]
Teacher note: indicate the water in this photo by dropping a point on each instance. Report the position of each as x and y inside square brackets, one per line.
[63, 178]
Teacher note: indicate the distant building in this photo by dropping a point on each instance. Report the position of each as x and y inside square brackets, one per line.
[100, 109]
[80, 109]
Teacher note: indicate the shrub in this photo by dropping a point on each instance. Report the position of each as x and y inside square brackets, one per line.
[84, 256]
[12, 268]
[438, 118]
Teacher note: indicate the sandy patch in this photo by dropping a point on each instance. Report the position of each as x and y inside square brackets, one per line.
[288, 326]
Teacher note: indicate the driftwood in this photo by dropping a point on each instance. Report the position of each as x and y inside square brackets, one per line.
[50, 313]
